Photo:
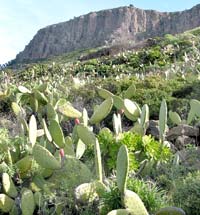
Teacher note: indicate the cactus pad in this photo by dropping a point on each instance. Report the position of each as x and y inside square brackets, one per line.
[162, 118]
[104, 93]
[80, 149]
[175, 118]
[6, 203]
[122, 168]
[85, 135]
[44, 158]
[102, 111]
[27, 202]
[133, 202]
[68, 110]
[8, 185]
[131, 110]
[32, 130]
[121, 212]
[170, 211]
[57, 133]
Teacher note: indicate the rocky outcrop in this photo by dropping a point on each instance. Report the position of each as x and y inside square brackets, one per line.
[112, 26]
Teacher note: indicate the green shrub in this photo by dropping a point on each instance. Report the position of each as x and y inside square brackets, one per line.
[152, 196]
[111, 199]
[166, 173]
[147, 147]
[187, 194]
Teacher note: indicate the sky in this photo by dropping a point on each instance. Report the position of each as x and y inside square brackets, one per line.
[21, 19]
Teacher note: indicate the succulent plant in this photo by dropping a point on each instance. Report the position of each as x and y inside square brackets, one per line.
[122, 168]
[32, 130]
[170, 211]
[8, 186]
[27, 202]
[162, 120]
[102, 111]
[6, 203]
[80, 149]
[44, 158]
[57, 133]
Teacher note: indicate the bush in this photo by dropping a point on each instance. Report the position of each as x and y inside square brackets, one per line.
[152, 196]
[187, 193]
[140, 148]
[111, 199]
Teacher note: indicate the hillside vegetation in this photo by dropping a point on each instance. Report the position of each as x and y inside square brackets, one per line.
[75, 131]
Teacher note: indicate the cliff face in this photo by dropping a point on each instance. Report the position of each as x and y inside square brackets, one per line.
[107, 27]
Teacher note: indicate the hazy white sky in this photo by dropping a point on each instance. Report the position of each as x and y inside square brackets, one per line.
[21, 19]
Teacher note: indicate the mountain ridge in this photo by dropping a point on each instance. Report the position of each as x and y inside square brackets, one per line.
[107, 27]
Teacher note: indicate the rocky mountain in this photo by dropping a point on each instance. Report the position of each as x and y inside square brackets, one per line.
[107, 27]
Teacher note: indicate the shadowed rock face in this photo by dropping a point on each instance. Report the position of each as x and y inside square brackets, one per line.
[112, 26]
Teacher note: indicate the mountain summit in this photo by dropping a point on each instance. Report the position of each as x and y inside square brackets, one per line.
[107, 27]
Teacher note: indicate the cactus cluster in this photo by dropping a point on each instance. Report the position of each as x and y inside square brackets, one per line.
[48, 160]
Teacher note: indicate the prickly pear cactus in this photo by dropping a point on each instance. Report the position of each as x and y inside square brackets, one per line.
[118, 102]
[24, 165]
[51, 113]
[72, 174]
[16, 108]
[8, 185]
[131, 110]
[85, 117]
[46, 131]
[122, 168]
[57, 133]
[170, 211]
[144, 116]
[133, 202]
[40, 97]
[32, 130]
[88, 192]
[6, 203]
[117, 123]
[162, 119]
[175, 118]
[129, 93]
[104, 93]
[23, 89]
[194, 110]
[98, 161]
[38, 198]
[69, 148]
[102, 111]
[85, 135]
[121, 212]
[27, 202]
[80, 149]
[68, 110]
[44, 158]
